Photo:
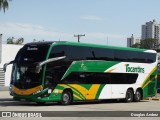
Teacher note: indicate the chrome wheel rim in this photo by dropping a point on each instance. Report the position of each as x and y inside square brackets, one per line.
[66, 98]
[129, 96]
[138, 95]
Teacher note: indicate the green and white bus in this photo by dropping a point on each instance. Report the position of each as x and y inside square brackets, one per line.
[68, 71]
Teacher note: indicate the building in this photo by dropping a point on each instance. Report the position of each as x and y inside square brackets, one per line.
[7, 53]
[151, 30]
[130, 41]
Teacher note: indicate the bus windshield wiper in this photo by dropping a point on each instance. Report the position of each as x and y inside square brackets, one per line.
[6, 64]
[40, 64]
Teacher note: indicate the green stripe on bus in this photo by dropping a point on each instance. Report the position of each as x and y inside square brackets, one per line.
[99, 91]
[89, 66]
[153, 73]
[79, 93]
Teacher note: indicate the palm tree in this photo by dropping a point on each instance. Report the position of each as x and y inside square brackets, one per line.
[4, 5]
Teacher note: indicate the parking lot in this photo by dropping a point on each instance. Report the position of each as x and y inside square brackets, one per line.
[8, 104]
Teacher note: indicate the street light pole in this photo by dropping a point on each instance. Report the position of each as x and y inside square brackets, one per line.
[78, 36]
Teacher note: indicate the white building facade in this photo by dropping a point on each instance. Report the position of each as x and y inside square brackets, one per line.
[132, 40]
[8, 53]
[151, 30]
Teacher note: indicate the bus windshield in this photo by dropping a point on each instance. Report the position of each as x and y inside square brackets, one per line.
[32, 54]
[24, 78]
[23, 72]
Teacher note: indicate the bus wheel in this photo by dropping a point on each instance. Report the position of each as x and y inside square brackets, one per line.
[66, 98]
[137, 96]
[40, 103]
[129, 96]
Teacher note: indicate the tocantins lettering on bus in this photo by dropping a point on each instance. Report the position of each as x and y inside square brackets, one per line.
[134, 69]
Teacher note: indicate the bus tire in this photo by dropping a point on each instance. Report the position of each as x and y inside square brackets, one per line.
[66, 98]
[137, 96]
[129, 96]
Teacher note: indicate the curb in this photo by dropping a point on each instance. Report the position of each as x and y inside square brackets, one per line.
[156, 99]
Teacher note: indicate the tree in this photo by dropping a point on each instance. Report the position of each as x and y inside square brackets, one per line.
[136, 45]
[4, 5]
[20, 41]
[12, 40]
[148, 43]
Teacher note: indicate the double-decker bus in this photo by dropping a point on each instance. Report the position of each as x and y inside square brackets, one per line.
[68, 71]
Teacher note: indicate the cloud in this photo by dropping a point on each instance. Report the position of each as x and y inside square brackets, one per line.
[106, 39]
[26, 30]
[30, 32]
[90, 17]
[99, 35]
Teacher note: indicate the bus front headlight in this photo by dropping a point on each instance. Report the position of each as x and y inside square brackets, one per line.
[38, 91]
[11, 89]
[49, 91]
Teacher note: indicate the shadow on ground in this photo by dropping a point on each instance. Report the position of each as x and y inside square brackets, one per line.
[11, 102]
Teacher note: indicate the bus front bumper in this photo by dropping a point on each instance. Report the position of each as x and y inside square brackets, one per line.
[39, 97]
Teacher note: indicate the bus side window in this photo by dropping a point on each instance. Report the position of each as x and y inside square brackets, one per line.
[57, 51]
[103, 54]
[79, 53]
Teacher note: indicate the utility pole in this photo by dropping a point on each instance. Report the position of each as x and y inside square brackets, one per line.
[107, 40]
[79, 35]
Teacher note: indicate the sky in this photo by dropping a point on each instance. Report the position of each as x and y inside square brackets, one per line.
[107, 22]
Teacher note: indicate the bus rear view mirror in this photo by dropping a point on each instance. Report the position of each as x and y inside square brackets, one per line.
[4, 67]
[39, 65]
[38, 68]
[6, 64]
